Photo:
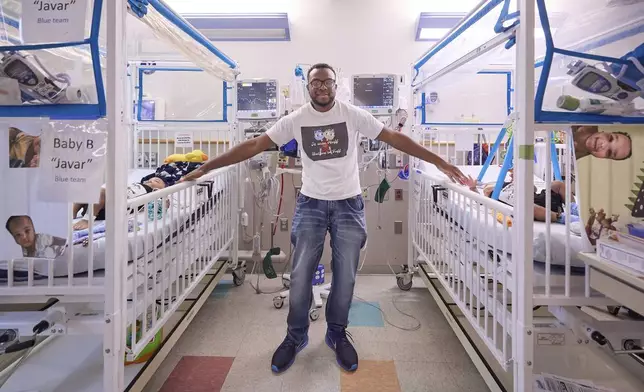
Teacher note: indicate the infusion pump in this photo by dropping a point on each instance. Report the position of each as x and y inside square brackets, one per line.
[36, 83]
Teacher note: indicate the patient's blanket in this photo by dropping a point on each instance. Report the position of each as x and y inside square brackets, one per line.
[170, 173]
[98, 231]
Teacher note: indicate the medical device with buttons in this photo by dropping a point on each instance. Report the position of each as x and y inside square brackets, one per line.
[378, 94]
[257, 99]
[34, 81]
[597, 81]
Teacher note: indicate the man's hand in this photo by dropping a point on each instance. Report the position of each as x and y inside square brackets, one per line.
[404, 143]
[452, 172]
[471, 183]
[193, 175]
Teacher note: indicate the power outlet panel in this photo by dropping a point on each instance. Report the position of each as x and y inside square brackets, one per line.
[297, 191]
[283, 224]
[398, 194]
[365, 193]
[398, 227]
[282, 162]
[399, 161]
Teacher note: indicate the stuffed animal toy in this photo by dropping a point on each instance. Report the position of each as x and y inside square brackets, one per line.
[197, 156]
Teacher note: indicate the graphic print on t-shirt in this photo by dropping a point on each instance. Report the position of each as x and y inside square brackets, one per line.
[325, 142]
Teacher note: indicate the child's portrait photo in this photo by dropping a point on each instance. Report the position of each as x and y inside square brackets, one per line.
[34, 244]
[24, 149]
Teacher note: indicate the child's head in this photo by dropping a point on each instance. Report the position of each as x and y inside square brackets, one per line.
[155, 183]
[21, 228]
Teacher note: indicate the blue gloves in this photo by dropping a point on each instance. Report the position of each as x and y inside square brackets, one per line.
[562, 219]
[138, 7]
[574, 214]
[299, 72]
[574, 209]
[631, 74]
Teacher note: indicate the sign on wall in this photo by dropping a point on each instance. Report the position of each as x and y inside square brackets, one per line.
[72, 162]
[53, 21]
[183, 140]
[31, 227]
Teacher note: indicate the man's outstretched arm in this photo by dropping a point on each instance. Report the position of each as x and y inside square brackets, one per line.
[404, 143]
[239, 153]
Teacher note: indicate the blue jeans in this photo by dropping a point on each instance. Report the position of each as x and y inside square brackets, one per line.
[344, 219]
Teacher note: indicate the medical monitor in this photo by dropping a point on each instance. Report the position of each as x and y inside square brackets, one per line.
[375, 93]
[257, 99]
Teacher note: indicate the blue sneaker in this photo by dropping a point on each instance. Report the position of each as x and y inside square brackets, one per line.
[284, 356]
[345, 353]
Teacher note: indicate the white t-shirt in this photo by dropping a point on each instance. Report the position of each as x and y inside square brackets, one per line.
[328, 143]
[47, 247]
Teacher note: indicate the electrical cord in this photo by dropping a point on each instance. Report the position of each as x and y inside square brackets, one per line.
[384, 315]
[257, 288]
[28, 345]
[280, 185]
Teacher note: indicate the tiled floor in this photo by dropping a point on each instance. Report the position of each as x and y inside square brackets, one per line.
[228, 346]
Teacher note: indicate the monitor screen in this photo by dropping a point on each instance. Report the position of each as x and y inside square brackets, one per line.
[257, 97]
[374, 92]
[147, 110]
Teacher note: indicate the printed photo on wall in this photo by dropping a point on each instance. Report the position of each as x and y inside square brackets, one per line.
[32, 242]
[33, 231]
[613, 145]
[24, 148]
[610, 162]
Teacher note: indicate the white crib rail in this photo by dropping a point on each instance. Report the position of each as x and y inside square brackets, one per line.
[467, 256]
[456, 145]
[72, 274]
[466, 238]
[186, 228]
[151, 145]
[78, 273]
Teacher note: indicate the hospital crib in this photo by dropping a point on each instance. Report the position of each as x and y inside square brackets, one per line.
[463, 241]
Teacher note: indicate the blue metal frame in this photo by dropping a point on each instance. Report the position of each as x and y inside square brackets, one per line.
[545, 116]
[507, 164]
[475, 18]
[554, 158]
[509, 107]
[139, 103]
[65, 111]
[492, 154]
[16, 25]
[184, 26]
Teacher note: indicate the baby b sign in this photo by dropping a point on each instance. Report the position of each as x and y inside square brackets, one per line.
[46, 21]
[72, 162]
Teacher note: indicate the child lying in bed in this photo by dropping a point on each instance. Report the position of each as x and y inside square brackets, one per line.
[557, 199]
[133, 190]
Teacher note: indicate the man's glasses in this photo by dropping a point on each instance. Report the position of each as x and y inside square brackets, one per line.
[317, 83]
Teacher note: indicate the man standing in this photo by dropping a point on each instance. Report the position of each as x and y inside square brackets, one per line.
[616, 146]
[330, 201]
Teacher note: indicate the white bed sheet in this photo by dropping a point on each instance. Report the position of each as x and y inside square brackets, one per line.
[485, 227]
[138, 242]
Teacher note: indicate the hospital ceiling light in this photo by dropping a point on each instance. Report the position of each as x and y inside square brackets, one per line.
[432, 26]
[242, 27]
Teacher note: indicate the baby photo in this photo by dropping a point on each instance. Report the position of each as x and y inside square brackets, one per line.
[24, 149]
[34, 244]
